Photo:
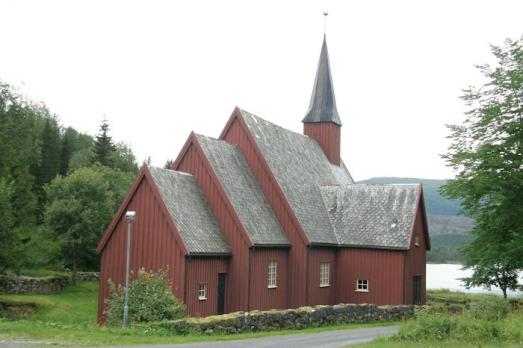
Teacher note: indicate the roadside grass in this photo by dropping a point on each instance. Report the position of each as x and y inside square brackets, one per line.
[69, 319]
[486, 322]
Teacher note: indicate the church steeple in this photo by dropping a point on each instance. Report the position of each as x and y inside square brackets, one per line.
[322, 107]
[322, 122]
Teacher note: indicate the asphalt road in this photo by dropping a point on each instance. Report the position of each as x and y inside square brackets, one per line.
[338, 338]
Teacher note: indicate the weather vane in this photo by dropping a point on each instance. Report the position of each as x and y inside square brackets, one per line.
[325, 14]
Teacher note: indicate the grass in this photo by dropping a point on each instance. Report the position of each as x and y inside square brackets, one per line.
[474, 328]
[69, 318]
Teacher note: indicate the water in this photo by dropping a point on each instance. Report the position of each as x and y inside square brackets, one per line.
[446, 276]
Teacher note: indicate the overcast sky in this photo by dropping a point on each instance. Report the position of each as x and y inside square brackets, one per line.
[159, 69]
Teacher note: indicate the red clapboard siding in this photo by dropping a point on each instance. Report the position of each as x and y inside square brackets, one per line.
[151, 235]
[261, 297]
[416, 260]
[382, 268]
[316, 294]
[327, 134]
[204, 270]
[192, 160]
[236, 132]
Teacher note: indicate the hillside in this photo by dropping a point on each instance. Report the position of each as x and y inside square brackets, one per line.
[448, 230]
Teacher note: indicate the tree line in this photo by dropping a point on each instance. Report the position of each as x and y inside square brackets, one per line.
[58, 187]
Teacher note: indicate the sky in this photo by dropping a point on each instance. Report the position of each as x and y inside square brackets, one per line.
[158, 70]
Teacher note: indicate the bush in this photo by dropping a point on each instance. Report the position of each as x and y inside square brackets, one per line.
[150, 299]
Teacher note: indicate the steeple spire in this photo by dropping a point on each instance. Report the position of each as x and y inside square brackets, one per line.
[322, 106]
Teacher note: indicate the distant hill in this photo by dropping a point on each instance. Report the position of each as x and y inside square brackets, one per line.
[448, 230]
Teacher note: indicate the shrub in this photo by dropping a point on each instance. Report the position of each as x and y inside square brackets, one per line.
[150, 299]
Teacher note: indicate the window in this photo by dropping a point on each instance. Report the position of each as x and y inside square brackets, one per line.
[324, 274]
[202, 291]
[272, 272]
[362, 285]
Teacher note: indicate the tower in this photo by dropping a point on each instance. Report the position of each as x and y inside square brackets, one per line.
[322, 121]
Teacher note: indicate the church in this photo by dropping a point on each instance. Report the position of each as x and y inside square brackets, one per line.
[265, 218]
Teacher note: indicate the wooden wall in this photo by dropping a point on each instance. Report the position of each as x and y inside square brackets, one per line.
[236, 132]
[327, 134]
[261, 297]
[152, 234]
[205, 270]
[383, 269]
[416, 261]
[192, 160]
[316, 294]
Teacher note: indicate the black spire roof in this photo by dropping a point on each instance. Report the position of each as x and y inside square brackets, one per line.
[323, 103]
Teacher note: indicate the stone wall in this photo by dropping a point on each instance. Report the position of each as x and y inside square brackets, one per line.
[26, 285]
[287, 319]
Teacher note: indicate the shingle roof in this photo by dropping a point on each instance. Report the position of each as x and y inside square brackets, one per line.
[244, 192]
[300, 168]
[190, 213]
[322, 106]
[379, 216]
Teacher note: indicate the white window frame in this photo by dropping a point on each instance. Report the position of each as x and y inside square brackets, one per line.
[362, 285]
[202, 291]
[324, 274]
[272, 274]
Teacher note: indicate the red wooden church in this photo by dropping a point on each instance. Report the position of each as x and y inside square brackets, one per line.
[264, 218]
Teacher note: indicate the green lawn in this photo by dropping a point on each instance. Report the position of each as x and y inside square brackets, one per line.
[69, 318]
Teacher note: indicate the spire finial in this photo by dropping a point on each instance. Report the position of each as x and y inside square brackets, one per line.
[325, 14]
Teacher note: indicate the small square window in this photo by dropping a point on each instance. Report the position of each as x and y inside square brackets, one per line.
[324, 274]
[272, 274]
[362, 285]
[416, 240]
[202, 292]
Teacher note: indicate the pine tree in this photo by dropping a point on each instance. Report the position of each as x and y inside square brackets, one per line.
[103, 146]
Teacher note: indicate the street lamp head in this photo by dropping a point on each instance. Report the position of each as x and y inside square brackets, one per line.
[130, 215]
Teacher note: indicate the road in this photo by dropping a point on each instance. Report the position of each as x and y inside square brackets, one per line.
[327, 339]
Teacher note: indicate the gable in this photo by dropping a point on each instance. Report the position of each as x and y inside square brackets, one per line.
[180, 199]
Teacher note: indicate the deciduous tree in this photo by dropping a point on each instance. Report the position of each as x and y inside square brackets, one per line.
[487, 154]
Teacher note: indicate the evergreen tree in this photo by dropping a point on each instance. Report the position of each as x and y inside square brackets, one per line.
[168, 164]
[103, 146]
[49, 161]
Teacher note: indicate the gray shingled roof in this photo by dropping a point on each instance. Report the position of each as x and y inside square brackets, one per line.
[190, 213]
[244, 192]
[379, 216]
[301, 168]
[322, 106]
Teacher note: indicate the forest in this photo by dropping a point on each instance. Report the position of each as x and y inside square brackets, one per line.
[58, 187]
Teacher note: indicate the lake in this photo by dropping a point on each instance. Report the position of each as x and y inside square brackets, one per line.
[446, 276]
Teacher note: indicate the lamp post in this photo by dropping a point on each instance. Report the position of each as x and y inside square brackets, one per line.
[129, 216]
